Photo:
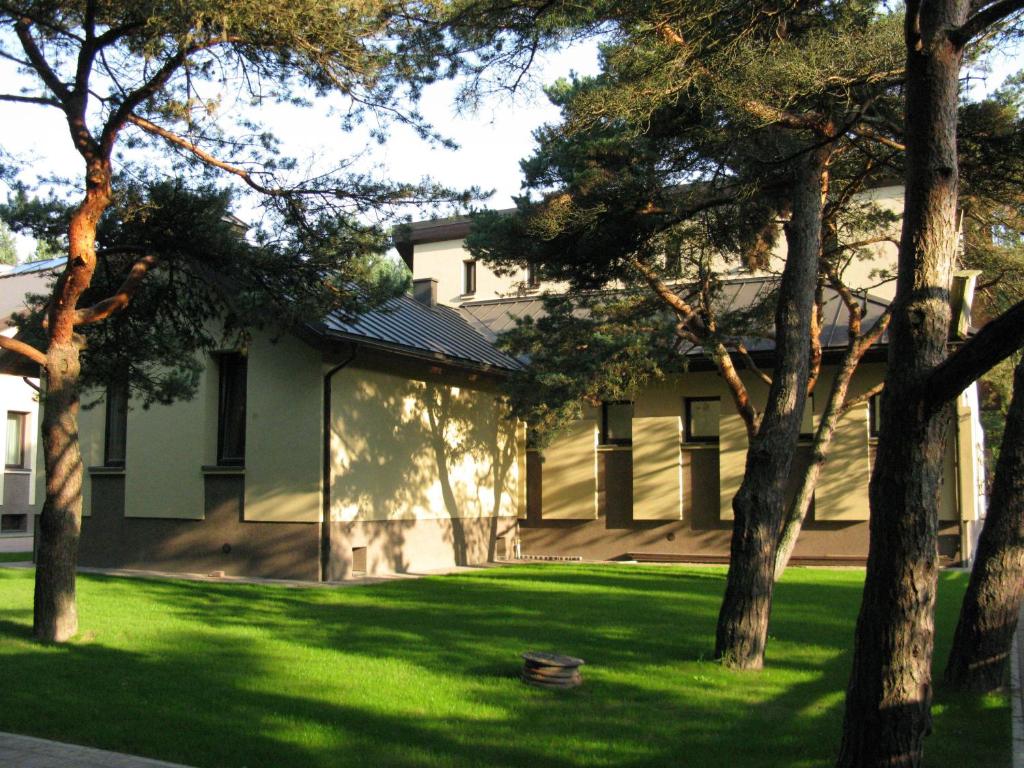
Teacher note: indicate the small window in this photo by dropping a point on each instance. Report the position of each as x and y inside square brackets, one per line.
[532, 277]
[807, 420]
[17, 431]
[114, 449]
[617, 423]
[231, 410]
[469, 277]
[874, 415]
[702, 414]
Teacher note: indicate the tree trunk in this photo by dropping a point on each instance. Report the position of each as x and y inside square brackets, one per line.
[758, 506]
[55, 617]
[988, 617]
[889, 695]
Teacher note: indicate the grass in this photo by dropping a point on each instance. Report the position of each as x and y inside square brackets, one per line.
[15, 557]
[423, 673]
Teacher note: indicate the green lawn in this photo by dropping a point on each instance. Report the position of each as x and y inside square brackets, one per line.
[15, 557]
[423, 673]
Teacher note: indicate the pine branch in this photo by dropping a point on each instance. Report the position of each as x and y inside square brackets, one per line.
[23, 349]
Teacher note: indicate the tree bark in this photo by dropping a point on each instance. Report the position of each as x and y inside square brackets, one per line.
[758, 507]
[889, 695]
[55, 617]
[988, 616]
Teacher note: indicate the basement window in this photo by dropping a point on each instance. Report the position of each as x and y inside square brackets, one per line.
[359, 561]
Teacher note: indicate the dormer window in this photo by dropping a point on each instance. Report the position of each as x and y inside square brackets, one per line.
[469, 276]
[532, 278]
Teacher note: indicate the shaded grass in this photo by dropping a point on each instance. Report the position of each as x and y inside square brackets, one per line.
[15, 557]
[423, 673]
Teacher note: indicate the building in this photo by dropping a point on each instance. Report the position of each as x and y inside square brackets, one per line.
[381, 444]
[19, 404]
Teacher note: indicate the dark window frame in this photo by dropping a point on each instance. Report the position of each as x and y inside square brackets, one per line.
[229, 365]
[469, 277]
[688, 435]
[110, 457]
[874, 415]
[23, 447]
[605, 440]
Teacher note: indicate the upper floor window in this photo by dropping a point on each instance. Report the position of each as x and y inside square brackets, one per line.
[115, 445]
[17, 433]
[874, 415]
[617, 423]
[807, 420]
[532, 276]
[469, 276]
[231, 409]
[702, 415]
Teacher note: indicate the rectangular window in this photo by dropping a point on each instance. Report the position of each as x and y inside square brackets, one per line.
[617, 423]
[874, 415]
[532, 277]
[17, 431]
[702, 414]
[469, 277]
[231, 410]
[115, 445]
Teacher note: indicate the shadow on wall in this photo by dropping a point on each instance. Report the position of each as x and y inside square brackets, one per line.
[422, 474]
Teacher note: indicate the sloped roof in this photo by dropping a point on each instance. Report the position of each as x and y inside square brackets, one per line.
[406, 324]
[491, 317]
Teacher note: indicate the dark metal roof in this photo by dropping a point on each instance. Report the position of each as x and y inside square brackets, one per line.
[492, 317]
[404, 324]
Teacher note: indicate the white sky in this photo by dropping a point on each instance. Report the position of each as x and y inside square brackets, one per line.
[492, 141]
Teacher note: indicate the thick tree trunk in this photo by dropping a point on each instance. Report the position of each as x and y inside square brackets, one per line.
[758, 506]
[988, 617]
[55, 617]
[889, 696]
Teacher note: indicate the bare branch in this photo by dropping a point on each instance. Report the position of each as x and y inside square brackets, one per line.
[21, 348]
[39, 63]
[991, 345]
[983, 19]
[109, 306]
[743, 352]
[862, 398]
[29, 99]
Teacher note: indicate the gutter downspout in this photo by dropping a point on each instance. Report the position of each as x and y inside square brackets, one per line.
[325, 514]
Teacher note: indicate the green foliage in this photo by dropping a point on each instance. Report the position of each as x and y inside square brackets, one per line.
[213, 285]
[8, 246]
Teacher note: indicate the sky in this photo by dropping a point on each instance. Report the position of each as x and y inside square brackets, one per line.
[491, 141]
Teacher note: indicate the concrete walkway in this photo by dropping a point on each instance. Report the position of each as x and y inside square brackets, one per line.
[28, 752]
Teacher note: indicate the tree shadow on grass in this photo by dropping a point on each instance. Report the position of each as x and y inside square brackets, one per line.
[423, 673]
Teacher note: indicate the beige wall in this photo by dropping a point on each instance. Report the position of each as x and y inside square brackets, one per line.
[569, 486]
[443, 262]
[166, 448]
[406, 449]
[283, 444]
[657, 468]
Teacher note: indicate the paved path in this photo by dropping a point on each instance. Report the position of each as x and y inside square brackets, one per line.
[28, 752]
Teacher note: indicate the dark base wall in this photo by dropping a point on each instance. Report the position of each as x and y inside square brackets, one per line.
[270, 550]
[16, 514]
[699, 537]
[411, 546]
